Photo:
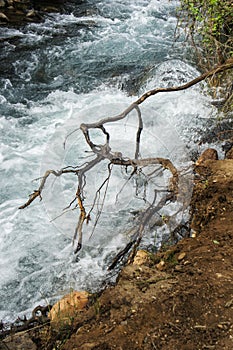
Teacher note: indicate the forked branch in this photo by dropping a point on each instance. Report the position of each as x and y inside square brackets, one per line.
[103, 152]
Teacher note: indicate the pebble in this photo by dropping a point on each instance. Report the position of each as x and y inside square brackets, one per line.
[31, 13]
[50, 9]
[160, 266]
[178, 268]
[181, 256]
[193, 234]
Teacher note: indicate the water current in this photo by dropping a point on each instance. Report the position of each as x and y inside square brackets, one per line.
[74, 68]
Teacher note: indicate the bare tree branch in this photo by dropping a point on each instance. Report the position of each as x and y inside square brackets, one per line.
[103, 152]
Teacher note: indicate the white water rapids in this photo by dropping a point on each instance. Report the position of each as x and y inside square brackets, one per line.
[54, 76]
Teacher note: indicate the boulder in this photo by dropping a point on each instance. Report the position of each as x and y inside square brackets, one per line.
[208, 154]
[140, 258]
[67, 309]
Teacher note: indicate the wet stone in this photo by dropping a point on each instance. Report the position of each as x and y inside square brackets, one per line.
[208, 154]
[3, 17]
[2, 3]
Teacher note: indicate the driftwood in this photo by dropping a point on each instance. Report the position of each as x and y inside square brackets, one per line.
[103, 152]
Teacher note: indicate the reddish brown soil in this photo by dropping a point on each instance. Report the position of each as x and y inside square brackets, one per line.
[185, 302]
[188, 304]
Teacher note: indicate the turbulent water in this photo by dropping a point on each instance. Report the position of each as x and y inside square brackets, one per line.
[70, 69]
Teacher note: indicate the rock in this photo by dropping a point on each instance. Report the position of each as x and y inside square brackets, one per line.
[208, 154]
[31, 13]
[2, 3]
[21, 4]
[10, 2]
[229, 153]
[193, 234]
[88, 346]
[20, 341]
[181, 256]
[64, 311]
[160, 266]
[140, 258]
[19, 13]
[3, 18]
[178, 268]
[50, 9]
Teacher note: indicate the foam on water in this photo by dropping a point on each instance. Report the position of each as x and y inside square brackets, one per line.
[66, 71]
[38, 253]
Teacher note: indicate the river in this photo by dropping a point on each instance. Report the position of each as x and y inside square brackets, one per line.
[54, 75]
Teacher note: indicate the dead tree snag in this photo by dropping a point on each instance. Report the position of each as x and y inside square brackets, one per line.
[103, 152]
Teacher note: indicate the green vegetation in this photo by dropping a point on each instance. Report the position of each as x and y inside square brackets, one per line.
[212, 20]
[209, 27]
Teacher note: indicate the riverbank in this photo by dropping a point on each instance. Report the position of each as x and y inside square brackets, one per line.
[24, 11]
[180, 298]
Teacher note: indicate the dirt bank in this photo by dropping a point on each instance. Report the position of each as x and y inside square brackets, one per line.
[187, 303]
[181, 298]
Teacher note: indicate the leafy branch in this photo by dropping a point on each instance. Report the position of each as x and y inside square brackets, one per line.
[212, 20]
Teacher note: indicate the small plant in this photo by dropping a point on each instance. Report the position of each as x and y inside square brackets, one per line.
[94, 301]
[212, 20]
[206, 184]
[165, 218]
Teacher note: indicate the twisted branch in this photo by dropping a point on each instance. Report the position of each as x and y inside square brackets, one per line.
[103, 152]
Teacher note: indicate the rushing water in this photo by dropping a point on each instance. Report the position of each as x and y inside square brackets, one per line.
[54, 76]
